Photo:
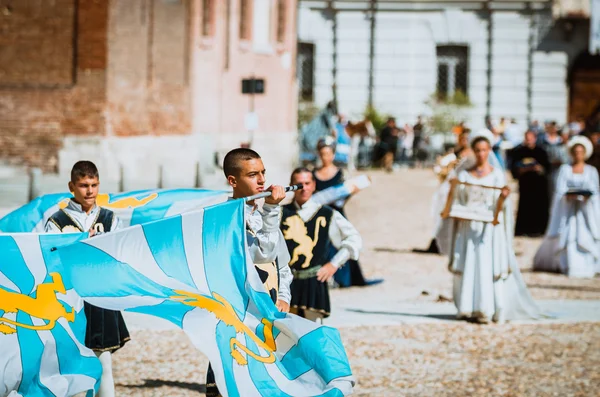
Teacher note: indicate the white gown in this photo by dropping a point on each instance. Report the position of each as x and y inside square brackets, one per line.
[572, 242]
[487, 282]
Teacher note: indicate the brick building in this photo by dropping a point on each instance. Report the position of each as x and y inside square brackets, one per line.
[145, 83]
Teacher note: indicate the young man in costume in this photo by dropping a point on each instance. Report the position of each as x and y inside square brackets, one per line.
[245, 173]
[310, 230]
[106, 331]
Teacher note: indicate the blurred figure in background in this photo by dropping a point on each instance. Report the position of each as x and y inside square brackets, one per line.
[554, 145]
[446, 168]
[329, 176]
[536, 127]
[406, 146]
[594, 160]
[389, 143]
[572, 244]
[319, 127]
[514, 133]
[530, 167]
[419, 151]
[343, 143]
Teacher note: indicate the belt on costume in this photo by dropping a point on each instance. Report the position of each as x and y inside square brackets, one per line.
[306, 273]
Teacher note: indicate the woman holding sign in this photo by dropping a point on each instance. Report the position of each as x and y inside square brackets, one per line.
[487, 282]
[572, 244]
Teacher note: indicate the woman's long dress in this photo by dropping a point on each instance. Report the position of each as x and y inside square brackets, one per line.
[572, 243]
[350, 274]
[487, 281]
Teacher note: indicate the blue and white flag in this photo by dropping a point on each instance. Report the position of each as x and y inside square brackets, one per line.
[42, 322]
[338, 194]
[193, 270]
[132, 208]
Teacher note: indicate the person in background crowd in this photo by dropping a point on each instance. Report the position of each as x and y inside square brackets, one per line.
[406, 144]
[497, 148]
[389, 143]
[329, 176]
[446, 168]
[572, 244]
[594, 160]
[536, 127]
[499, 129]
[459, 129]
[343, 144]
[554, 145]
[513, 133]
[488, 124]
[320, 126]
[576, 126]
[530, 167]
[418, 137]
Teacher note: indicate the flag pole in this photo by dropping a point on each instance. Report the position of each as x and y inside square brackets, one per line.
[291, 188]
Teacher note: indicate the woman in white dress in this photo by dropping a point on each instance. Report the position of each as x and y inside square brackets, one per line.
[572, 242]
[487, 282]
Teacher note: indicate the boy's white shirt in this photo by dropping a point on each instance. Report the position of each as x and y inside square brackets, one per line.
[266, 243]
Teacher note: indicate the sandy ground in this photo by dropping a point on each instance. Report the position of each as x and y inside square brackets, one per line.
[456, 359]
[447, 358]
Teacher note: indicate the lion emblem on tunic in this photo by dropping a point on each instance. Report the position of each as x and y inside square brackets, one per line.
[297, 232]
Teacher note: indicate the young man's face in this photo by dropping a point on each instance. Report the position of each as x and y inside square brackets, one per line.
[251, 179]
[307, 180]
[85, 190]
[530, 139]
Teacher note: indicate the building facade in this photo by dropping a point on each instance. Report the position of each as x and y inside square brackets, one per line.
[511, 58]
[146, 85]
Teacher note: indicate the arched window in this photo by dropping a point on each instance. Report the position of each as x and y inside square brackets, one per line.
[452, 70]
[306, 71]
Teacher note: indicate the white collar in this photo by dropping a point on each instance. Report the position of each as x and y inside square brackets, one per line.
[75, 206]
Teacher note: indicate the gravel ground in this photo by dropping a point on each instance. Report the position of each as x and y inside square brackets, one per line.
[457, 359]
[435, 359]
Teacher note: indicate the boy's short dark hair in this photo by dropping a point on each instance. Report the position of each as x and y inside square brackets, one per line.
[231, 162]
[83, 169]
[300, 170]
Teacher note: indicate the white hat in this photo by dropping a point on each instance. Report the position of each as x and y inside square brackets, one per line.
[483, 133]
[583, 141]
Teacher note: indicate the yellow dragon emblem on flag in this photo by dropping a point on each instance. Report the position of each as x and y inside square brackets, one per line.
[225, 312]
[44, 306]
[103, 200]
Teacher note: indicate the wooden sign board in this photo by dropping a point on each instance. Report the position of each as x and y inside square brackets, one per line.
[472, 202]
